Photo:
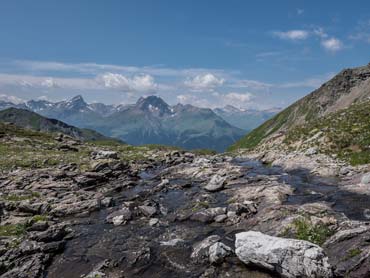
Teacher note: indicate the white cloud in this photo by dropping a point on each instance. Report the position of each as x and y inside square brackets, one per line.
[97, 69]
[139, 83]
[205, 82]
[12, 99]
[332, 44]
[294, 35]
[238, 99]
[49, 83]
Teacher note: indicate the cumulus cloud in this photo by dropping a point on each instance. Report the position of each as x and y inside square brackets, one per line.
[237, 99]
[205, 82]
[139, 83]
[49, 83]
[332, 44]
[294, 35]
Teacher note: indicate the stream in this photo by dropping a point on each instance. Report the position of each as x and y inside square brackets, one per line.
[140, 250]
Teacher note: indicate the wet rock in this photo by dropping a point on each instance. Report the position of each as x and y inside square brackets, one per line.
[53, 247]
[54, 233]
[216, 183]
[201, 249]
[148, 211]
[218, 252]
[288, 257]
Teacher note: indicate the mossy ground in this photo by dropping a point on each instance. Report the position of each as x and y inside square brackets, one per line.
[302, 228]
[25, 149]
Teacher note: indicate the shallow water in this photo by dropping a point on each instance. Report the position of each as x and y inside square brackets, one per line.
[98, 241]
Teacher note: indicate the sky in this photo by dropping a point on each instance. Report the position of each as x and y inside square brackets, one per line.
[210, 53]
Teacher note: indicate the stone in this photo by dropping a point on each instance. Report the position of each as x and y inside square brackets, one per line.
[148, 211]
[201, 249]
[119, 217]
[172, 242]
[220, 218]
[288, 257]
[105, 155]
[153, 221]
[207, 215]
[216, 183]
[218, 252]
[39, 226]
[365, 179]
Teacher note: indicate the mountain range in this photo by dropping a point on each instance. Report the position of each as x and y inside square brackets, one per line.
[149, 121]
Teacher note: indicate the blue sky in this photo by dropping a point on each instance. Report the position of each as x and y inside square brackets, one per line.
[251, 54]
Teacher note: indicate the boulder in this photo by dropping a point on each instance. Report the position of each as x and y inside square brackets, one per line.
[201, 249]
[216, 183]
[288, 257]
[218, 252]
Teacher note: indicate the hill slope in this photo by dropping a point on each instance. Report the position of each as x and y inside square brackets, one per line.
[30, 120]
[348, 87]
[345, 133]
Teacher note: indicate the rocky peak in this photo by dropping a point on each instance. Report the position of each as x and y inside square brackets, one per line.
[76, 102]
[153, 104]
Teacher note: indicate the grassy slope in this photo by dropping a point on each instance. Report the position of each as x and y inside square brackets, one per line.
[346, 133]
[253, 138]
[309, 108]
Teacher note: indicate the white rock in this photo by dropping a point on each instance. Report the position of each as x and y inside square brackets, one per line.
[106, 155]
[118, 220]
[200, 250]
[172, 242]
[218, 251]
[288, 257]
[216, 183]
[153, 221]
[365, 178]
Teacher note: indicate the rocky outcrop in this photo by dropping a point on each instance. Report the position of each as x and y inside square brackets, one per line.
[288, 257]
